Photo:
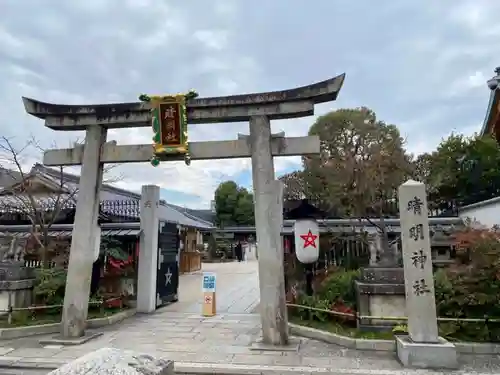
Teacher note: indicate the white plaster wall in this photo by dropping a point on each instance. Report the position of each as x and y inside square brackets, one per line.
[486, 213]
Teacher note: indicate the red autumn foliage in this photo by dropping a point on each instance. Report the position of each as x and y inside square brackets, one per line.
[115, 302]
[340, 307]
[478, 250]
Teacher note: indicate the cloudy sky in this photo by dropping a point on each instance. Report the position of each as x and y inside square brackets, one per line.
[420, 64]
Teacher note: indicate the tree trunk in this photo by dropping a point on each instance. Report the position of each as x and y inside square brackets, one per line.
[44, 249]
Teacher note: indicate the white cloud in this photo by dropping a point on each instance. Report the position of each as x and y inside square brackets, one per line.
[478, 16]
[212, 39]
[462, 85]
[428, 77]
[20, 47]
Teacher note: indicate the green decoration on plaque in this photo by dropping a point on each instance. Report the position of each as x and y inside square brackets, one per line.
[169, 124]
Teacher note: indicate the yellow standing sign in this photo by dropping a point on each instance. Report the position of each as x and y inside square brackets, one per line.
[208, 287]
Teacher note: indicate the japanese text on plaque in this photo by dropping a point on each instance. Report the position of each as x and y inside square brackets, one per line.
[170, 120]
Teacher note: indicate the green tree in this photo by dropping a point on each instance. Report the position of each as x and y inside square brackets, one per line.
[462, 169]
[361, 163]
[233, 205]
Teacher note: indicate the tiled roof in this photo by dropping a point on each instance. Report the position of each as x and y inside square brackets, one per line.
[171, 214]
[8, 177]
[111, 193]
[492, 118]
[108, 192]
[204, 215]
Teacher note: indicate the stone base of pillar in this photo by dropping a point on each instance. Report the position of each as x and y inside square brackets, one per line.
[70, 341]
[442, 355]
[292, 346]
[380, 293]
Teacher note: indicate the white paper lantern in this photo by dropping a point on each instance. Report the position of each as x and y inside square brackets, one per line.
[306, 240]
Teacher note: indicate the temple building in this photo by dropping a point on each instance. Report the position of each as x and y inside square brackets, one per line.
[491, 123]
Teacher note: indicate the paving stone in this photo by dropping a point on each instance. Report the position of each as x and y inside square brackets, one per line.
[253, 359]
[70, 354]
[174, 348]
[5, 350]
[32, 352]
[287, 361]
[8, 360]
[218, 335]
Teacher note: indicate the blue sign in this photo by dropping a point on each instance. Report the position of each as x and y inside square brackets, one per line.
[209, 280]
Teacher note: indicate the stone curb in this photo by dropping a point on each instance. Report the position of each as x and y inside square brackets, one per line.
[477, 347]
[233, 369]
[110, 320]
[382, 345]
[197, 368]
[45, 329]
[348, 342]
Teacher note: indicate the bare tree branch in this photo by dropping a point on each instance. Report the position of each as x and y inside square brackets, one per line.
[39, 198]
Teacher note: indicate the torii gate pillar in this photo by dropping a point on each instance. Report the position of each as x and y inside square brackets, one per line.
[268, 196]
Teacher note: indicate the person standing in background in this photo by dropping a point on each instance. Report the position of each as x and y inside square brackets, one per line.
[239, 251]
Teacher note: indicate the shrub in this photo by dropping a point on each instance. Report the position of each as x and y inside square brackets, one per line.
[468, 289]
[113, 247]
[339, 287]
[49, 286]
[471, 288]
[336, 293]
[315, 302]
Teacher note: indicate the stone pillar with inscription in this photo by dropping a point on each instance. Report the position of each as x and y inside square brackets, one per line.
[422, 347]
[148, 251]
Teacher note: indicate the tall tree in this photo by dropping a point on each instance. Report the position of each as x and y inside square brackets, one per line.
[233, 205]
[294, 186]
[462, 169]
[361, 163]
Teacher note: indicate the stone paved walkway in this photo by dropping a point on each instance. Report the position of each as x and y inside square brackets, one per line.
[237, 288]
[224, 339]
[191, 340]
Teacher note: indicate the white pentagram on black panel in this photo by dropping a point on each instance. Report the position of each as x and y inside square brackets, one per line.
[168, 277]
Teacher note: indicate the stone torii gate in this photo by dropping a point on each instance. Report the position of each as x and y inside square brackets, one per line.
[261, 146]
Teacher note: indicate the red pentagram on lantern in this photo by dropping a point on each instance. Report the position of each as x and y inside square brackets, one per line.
[309, 239]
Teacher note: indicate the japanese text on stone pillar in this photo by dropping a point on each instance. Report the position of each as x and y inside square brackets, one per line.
[418, 258]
